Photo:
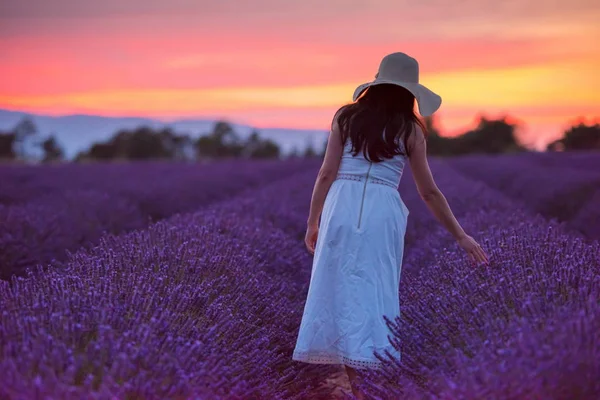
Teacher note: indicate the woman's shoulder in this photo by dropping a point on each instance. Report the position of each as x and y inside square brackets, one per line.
[416, 137]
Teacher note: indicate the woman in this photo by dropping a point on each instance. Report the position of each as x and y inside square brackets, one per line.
[359, 242]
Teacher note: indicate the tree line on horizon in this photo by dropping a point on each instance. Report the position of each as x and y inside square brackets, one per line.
[490, 136]
[145, 143]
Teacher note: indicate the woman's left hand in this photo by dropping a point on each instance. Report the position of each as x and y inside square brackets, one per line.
[312, 232]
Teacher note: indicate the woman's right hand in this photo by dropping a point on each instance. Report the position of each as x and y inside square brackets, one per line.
[473, 249]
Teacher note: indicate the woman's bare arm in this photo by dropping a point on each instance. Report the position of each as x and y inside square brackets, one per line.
[327, 173]
[426, 186]
[435, 199]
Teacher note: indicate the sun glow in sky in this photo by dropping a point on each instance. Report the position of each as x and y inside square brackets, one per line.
[293, 63]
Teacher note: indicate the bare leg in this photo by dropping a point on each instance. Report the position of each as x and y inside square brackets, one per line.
[353, 377]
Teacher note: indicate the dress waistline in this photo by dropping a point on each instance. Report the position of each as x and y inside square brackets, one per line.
[356, 177]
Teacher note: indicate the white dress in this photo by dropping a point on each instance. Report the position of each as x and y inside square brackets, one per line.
[355, 276]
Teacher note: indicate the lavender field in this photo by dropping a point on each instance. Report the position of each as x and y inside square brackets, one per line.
[179, 281]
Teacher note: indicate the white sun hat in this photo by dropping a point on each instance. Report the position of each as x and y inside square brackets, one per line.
[402, 70]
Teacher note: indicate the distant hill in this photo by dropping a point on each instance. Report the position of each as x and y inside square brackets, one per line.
[78, 132]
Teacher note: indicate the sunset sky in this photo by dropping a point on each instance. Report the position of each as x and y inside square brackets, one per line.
[292, 63]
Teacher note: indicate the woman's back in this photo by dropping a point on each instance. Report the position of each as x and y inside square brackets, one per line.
[389, 171]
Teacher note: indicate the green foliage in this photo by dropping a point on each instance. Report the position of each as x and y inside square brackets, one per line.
[256, 147]
[222, 142]
[142, 143]
[436, 144]
[309, 151]
[7, 141]
[52, 150]
[145, 143]
[24, 130]
[578, 137]
[12, 143]
[100, 151]
[490, 137]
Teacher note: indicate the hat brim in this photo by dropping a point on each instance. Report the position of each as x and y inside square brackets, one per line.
[428, 101]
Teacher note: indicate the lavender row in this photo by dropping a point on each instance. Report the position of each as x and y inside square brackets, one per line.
[204, 305]
[459, 319]
[587, 219]
[226, 288]
[44, 229]
[553, 191]
[574, 161]
[582, 160]
[562, 350]
[152, 184]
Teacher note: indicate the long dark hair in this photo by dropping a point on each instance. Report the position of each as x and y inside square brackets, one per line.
[382, 106]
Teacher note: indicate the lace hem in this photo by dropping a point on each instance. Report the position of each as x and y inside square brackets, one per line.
[313, 357]
[359, 178]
